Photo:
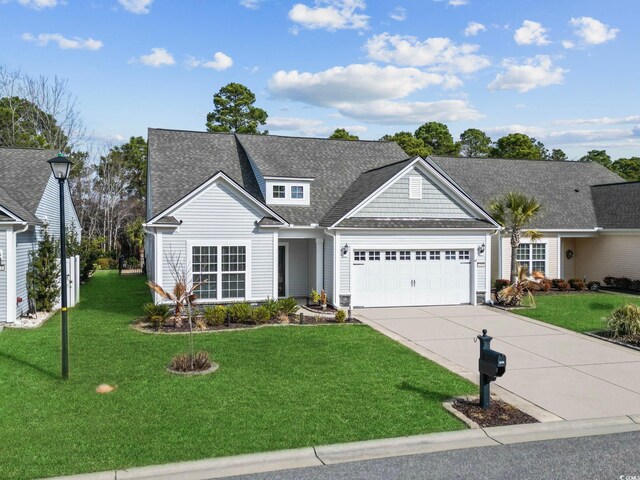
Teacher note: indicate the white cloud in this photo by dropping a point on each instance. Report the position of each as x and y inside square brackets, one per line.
[531, 33]
[568, 44]
[438, 53]
[308, 127]
[330, 15]
[520, 105]
[398, 14]
[629, 119]
[458, 3]
[473, 29]
[369, 92]
[592, 31]
[537, 132]
[39, 4]
[158, 57]
[534, 73]
[136, 6]
[220, 62]
[251, 4]
[75, 43]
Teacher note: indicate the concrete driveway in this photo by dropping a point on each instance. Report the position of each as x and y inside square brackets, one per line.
[567, 374]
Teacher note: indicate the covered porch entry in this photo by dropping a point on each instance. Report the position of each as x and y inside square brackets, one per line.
[299, 264]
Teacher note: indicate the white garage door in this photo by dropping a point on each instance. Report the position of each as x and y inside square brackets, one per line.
[386, 278]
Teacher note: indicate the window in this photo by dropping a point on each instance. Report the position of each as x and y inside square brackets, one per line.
[533, 256]
[234, 264]
[405, 255]
[434, 255]
[278, 191]
[204, 263]
[421, 255]
[415, 188]
[390, 256]
[464, 255]
[450, 255]
[297, 191]
[374, 255]
[359, 256]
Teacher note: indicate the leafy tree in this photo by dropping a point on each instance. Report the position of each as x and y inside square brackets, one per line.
[23, 124]
[597, 156]
[474, 143]
[628, 168]
[234, 111]
[44, 273]
[514, 212]
[516, 145]
[412, 146]
[135, 236]
[87, 249]
[436, 136]
[558, 155]
[342, 134]
[543, 152]
[132, 158]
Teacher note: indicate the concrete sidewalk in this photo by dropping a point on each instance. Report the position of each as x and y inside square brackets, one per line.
[570, 375]
[368, 450]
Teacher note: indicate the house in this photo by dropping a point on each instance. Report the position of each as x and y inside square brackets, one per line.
[29, 199]
[259, 216]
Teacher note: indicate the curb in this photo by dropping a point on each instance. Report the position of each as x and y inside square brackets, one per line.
[369, 450]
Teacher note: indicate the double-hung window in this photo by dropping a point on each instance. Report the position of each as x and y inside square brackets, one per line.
[279, 191]
[222, 269]
[533, 256]
[297, 192]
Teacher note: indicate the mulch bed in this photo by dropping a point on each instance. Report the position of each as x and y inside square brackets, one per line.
[631, 341]
[620, 290]
[318, 308]
[293, 320]
[498, 414]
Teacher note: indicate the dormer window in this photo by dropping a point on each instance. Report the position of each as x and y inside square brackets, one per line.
[297, 192]
[279, 191]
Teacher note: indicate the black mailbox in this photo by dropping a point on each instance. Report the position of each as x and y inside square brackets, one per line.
[491, 364]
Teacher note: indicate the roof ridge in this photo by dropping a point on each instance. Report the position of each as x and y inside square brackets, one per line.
[511, 159]
[614, 183]
[37, 149]
[389, 165]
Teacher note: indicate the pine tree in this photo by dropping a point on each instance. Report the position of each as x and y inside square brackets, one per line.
[44, 272]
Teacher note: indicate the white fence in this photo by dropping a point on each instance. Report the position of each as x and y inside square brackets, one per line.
[73, 281]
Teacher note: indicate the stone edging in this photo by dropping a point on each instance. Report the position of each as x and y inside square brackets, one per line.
[448, 406]
[136, 326]
[214, 366]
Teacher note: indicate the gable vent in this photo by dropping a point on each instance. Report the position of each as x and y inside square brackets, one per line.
[415, 188]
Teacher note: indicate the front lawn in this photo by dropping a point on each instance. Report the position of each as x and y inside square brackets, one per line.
[580, 312]
[277, 388]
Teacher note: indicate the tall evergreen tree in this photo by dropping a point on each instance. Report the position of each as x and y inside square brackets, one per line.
[44, 273]
[234, 111]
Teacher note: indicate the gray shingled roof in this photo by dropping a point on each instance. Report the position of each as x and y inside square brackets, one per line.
[181, 161]
[617, 205]
[361, 188]
[357, 222]
[563, 188]
[24, 173]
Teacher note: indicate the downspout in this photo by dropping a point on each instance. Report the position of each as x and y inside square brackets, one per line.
[332, 235]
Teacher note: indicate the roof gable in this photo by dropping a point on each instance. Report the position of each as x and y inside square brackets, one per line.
[562, 188]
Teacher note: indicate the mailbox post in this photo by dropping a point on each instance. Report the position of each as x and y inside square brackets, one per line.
[491, 364]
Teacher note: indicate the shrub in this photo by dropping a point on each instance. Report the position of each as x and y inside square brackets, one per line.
[593, 286]
[563, 286]
[157, 314]
[215, 315]
[555, 282]
[609, 281]
[133, 262]
[624, 320]
[315, 296]
[576, 284]
[260, 314]
[185, 363]
[635, 285]
[43, 273]
[288, 306]
[200, 324]
[622, 282]
[501, 283]
[272, 306]
[533, 286]
[106, 263]
[545, 285]
[240, 312]
[341, 316]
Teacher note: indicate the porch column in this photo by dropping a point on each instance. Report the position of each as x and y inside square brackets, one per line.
[319, 264]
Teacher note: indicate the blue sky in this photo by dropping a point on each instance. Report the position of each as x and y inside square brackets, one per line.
[563, 71]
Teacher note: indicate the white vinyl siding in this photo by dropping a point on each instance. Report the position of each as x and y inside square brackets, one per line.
[311, 265]
[328, 267]
[49, 208]
[551, 243]
[3, 276]
[297, 274]
[607, 255]
[395, 201]
[25, 243]
[222, 216]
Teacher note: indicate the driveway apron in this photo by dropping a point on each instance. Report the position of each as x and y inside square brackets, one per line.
[568, 374]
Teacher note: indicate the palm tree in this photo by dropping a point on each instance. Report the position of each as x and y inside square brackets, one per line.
[514, 212]
[135, 235]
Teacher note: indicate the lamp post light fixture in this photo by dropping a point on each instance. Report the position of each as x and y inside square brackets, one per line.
[61, 166]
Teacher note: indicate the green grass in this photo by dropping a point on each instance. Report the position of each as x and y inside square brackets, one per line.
[277, 388]
[578, 312]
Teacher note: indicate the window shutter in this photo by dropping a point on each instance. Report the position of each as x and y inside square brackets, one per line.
[415, 188]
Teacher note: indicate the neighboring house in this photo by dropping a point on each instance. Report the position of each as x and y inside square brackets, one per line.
[590, 217]
[29, 199]
[260, 216]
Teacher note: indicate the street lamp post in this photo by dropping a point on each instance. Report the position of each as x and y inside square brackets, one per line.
[61, 166]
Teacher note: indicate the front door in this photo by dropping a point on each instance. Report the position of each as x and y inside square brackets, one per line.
[282, 286]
